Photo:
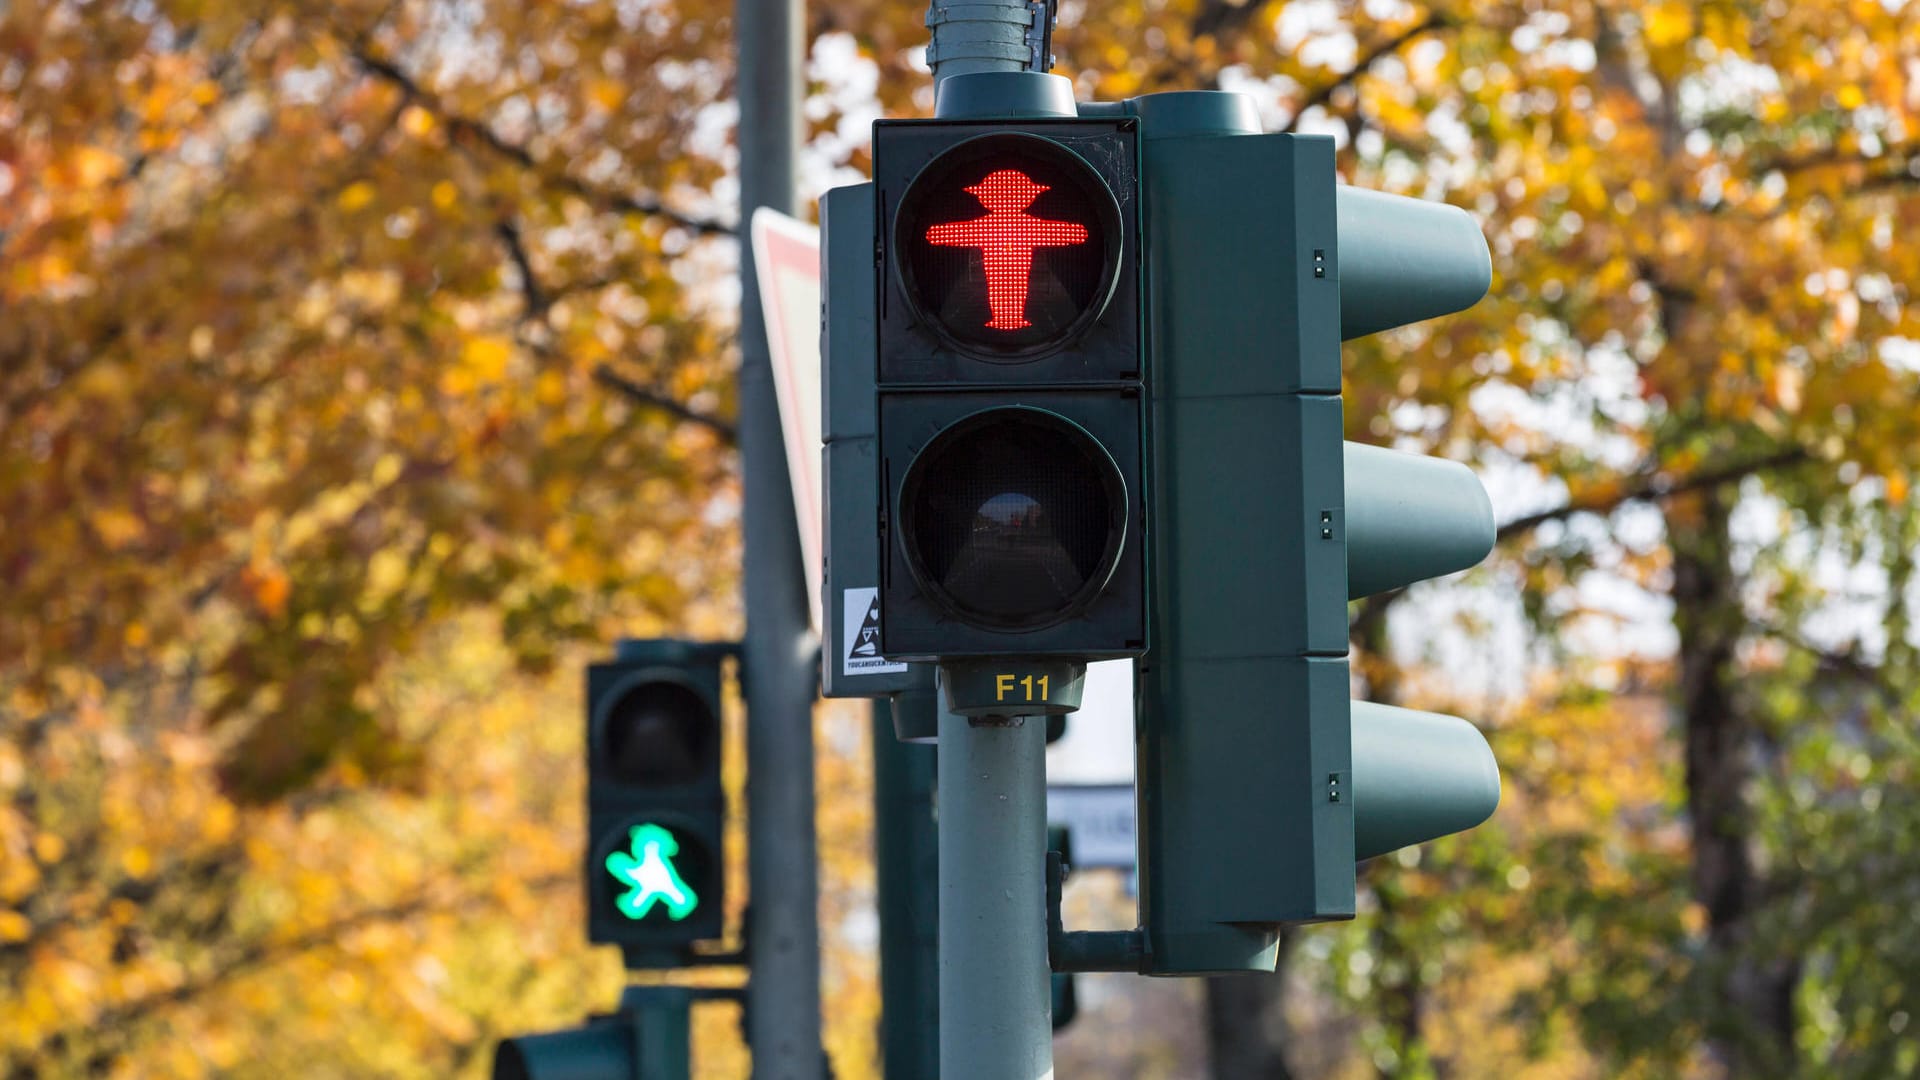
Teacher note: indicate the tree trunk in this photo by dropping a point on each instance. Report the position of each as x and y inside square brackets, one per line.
[1751, 1025]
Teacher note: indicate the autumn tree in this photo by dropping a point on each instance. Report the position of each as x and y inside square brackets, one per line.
[329, 330]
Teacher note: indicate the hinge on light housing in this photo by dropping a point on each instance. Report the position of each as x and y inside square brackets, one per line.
[1040, 33]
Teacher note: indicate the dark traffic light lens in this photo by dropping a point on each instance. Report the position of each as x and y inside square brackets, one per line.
[659, 733]
[1009, 245]
[1013, 518]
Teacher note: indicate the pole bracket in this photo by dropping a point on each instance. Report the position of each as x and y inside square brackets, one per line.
[1044, 14]
[1087, 950]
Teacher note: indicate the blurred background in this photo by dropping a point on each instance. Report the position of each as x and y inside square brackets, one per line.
[366, 368]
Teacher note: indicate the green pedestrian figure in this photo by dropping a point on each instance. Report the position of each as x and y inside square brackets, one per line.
[648, 871]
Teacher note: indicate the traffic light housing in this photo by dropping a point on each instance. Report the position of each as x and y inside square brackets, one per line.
[1260, 782]
[648, 1038]
[655, 867]
[1009, 389]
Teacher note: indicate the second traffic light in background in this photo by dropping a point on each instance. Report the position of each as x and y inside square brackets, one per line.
[656, 811]
[1010, 389]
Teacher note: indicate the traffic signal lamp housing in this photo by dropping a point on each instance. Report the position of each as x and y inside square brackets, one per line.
[1008, 389]
[649, 1036]
[1261, 783]
[656, 811]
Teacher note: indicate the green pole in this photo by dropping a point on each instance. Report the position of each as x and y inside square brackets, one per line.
[663, 1028]
[907, 852]
[996, 999]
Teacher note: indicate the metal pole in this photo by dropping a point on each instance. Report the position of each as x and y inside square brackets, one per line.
[907, 852]
[662, 1020]
[996, 992]
[783, 1017]
[980, 35]
[996, 1001]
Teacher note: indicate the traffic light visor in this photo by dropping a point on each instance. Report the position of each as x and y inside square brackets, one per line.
[658, 732]
[1013, 518]
[1008, 245]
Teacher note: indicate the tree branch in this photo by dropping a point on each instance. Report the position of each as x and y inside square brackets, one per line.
[1434, 21]
[535, 298]
[606, 376]
[538, 299]
[1653, 486]
[1831, 156]
[262, 952]
[471, 130]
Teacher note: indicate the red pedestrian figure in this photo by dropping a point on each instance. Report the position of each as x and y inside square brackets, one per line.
[1006, 238]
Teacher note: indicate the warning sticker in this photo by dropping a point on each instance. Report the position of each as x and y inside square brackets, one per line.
[860, 619]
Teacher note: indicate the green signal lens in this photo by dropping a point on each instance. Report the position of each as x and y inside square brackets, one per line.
[651, 879]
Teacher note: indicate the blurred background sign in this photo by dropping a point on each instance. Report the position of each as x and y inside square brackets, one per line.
[786, 262]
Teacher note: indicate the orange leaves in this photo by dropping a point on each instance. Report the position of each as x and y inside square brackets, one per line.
[608, 94]
[269, 587]
[86, 169]
[117, 528]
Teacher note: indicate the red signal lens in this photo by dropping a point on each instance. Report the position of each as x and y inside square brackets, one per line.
[1009, 245]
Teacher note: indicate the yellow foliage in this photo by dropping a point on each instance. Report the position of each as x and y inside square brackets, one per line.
[485, 358]
[116, 527]
[417, 122]
[357, 196]
[14, 927]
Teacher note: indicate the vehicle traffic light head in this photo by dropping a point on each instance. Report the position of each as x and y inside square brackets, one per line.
[655, 872]
[1260, 781]
[1009, 390]
[1416, 775]
[599, 1050]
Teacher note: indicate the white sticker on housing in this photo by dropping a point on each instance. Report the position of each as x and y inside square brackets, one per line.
[860, 619]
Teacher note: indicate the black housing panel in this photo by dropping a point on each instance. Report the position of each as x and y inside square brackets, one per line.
[1090, 572]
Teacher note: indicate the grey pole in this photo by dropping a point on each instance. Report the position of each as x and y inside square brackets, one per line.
[996, 1001]
[783, 1015]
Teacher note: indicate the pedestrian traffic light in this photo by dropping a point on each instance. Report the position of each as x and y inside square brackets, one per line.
[655, 807]
[1256, 772]
[1009, 388]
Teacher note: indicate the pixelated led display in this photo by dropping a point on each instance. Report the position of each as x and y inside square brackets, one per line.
[1007, 237]
[1009, 245]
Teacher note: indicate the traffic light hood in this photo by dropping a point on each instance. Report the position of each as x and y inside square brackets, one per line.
[1403, 260]
[1410, 517]
[1417, 776]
